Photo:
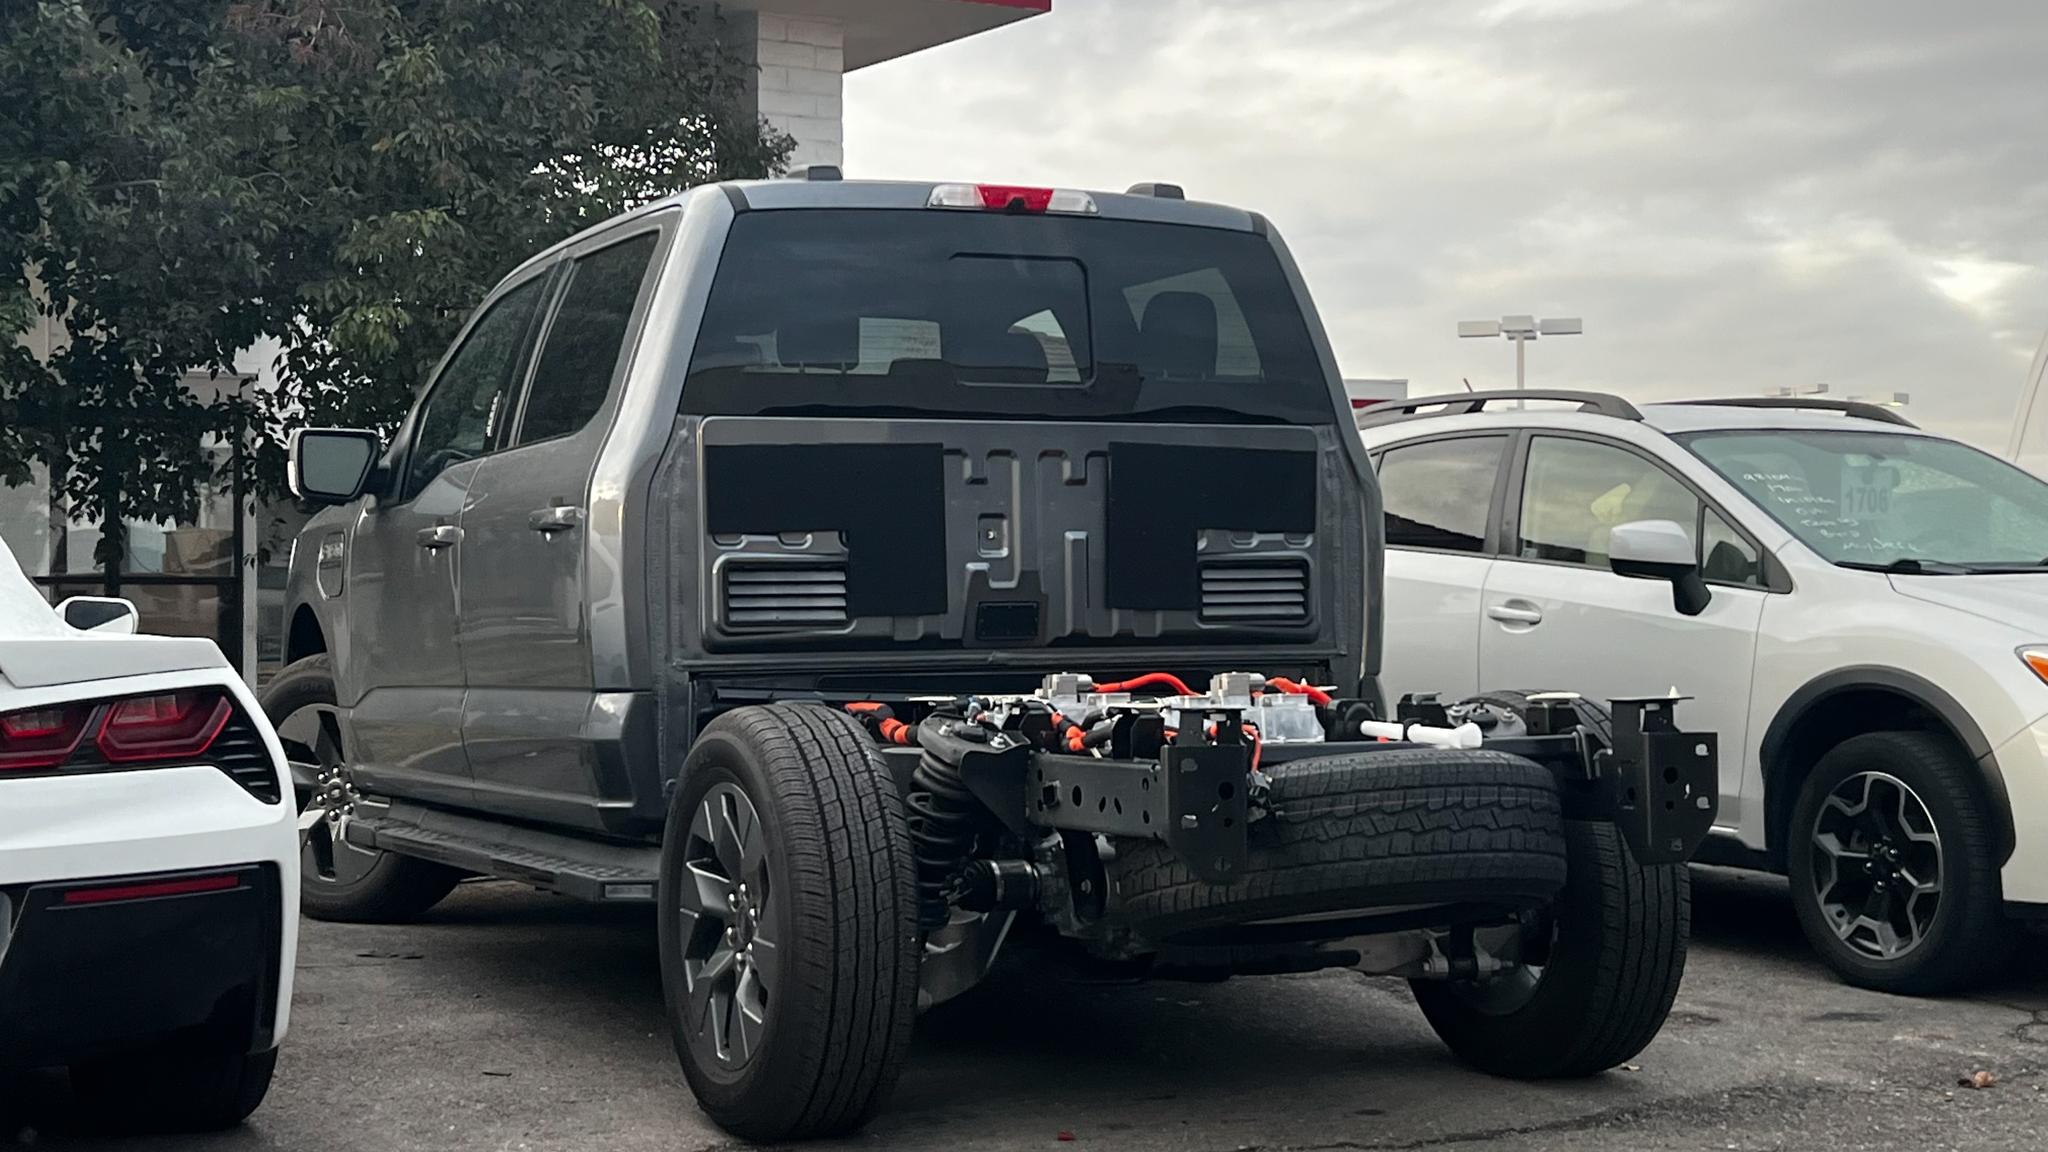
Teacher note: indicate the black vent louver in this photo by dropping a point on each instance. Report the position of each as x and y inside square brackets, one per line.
[239, 752]
[785, 597]
[1259, 592]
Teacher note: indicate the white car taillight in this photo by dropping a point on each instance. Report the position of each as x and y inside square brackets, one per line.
[164, 727]
[170, 726]
[41, 737]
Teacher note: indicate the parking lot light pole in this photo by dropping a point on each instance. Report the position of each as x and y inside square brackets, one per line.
[1521, 330]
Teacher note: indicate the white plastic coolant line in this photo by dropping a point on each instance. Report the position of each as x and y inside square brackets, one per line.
[1463, 736]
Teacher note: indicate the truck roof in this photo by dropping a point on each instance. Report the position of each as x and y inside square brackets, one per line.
[811, 188]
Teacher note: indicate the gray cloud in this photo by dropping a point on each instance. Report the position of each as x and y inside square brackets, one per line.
[1736, 196]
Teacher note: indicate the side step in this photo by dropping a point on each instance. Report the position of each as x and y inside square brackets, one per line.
[594, 870]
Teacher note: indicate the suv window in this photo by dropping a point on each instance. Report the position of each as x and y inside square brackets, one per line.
[1439, 493]
[462, 411]
[1576, 491]
[990, 314]
[1878, 499]
[584, 341]
[1725, 557]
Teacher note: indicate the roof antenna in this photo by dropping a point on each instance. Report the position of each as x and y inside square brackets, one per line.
[1468, 382]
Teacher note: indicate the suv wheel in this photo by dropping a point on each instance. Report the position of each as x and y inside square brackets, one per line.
[788, 923]
[338, 880]
[1892, 867]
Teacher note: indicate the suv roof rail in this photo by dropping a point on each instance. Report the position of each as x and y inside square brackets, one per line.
[1461, 403]
[1861, 409]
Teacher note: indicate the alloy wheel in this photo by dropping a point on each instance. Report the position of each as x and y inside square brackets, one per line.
[312, 746]
[730, 956]
[1877, 865]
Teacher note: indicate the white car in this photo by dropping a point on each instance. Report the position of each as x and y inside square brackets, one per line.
[149, 874]
[1858, 608]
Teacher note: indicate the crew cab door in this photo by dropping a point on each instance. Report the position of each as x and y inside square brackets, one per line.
[1439, 494]
[529, 571]
[1556, 616]
[400, 662]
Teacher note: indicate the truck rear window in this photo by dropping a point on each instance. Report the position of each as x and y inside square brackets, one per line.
[982, 314]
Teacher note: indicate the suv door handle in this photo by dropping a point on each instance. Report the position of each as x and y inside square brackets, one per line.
[558, 518]
[1516, 612]
[438, 537]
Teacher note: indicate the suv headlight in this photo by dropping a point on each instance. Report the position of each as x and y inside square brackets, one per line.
[2035, 656]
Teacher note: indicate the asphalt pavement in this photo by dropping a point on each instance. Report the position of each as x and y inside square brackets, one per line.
[511, 1020]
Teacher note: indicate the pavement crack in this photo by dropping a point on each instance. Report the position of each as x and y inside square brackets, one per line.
[2035, 1030]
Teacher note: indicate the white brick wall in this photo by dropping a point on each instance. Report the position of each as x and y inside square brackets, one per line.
[797, 85]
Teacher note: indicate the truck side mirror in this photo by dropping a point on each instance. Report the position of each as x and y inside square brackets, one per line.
[1660, 550]
[330, 465]
[109, 614]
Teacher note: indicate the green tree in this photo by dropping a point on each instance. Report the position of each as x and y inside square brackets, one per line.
[181, 177]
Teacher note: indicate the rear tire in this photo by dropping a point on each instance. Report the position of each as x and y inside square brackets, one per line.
[1365, 830]
[806, 1036]
[1612, 963]
[339, 881]
[186, 1085]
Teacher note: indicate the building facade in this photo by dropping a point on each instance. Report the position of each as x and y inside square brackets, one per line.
[802, 50]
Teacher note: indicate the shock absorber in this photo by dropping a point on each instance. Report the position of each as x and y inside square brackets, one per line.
[942, 826]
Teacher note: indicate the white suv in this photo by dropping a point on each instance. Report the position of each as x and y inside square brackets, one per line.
[1859, 608]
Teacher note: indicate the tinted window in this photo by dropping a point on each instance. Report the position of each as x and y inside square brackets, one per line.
[461, 415]
[969, 313]
[1439, 494]
[1576, 491]
[585, 340]
[1724, 555]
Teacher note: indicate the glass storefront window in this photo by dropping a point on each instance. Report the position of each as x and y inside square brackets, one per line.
[181, 576]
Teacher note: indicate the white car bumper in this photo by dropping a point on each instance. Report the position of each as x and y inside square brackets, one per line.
[132, 890]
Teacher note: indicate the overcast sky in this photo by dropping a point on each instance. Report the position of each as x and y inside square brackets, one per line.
[1736, 195]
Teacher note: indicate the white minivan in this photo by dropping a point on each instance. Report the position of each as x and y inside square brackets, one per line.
[1857, 607]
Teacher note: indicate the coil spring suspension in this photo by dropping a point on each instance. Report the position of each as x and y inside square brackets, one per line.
[942, 825]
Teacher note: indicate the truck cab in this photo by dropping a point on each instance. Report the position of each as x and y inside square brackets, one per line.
[734, 447]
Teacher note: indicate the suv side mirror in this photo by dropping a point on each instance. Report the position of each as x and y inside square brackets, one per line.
[330, 465]
[109, 614]
[1660, 550]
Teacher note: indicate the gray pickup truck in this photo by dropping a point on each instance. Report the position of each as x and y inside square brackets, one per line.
[879, 576]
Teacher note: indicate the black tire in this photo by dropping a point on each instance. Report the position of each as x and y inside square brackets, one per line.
[1371, 829]
[1507, 706]
[1968, 938]
[191, 1084]
[843, 899]
[1611, 966]
[375, 887]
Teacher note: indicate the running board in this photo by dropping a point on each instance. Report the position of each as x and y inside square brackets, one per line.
[593, 870]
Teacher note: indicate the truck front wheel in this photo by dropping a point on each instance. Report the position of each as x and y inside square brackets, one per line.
[338, 880]
[788, 923]
[1598, 973]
